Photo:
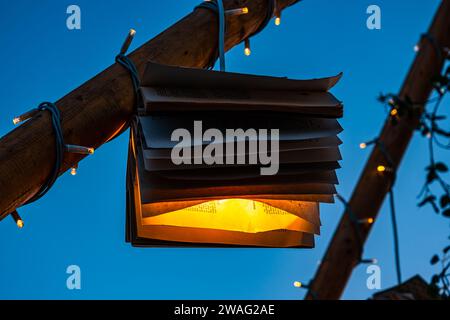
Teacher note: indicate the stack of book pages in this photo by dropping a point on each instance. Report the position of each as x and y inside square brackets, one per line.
[232, 160]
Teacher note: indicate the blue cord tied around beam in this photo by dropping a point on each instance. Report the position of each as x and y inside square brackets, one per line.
[126, 62]
[60, 145]
[60, 149]
[217, 7]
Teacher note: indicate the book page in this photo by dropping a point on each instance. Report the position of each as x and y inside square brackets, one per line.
[234, 215]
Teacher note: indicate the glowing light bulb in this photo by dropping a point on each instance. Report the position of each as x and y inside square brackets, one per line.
[16, 121]
[298, 284]
[20, 224]
[247, 50]
[237, 12]
[394, 112]
[416, 48]
[73, 171]
[17, 219]
[363, 145]
[91, 150]
[370, 220]
[381, 168]
[277, 21]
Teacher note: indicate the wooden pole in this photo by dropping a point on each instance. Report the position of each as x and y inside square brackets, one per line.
[94, 112]
[342, 254]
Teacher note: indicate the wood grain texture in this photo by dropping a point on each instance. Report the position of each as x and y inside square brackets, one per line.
[92, 113]
[342, 254]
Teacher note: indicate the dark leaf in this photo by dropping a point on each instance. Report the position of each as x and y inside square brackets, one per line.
[445, 201]
[441, 132]
[382, 98]
[441, 167]
[446, 213]
[426, 200]
[434, 259]
[446, 249]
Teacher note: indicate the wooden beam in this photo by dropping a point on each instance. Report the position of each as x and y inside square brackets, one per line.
[342, 254]
[98, 109]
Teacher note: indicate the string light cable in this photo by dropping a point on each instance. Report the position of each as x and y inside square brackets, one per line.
[60, 149]
[217, 7]
[356, 224]
[123, 60]
[388, 169]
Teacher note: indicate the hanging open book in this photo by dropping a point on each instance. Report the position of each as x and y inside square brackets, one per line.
[189, 184]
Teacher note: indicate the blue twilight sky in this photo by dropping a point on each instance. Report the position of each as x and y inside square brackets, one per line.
[81, 220]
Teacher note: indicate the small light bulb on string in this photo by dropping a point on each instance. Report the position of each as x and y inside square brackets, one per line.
[364, 145]
[17, 219]
[278, 18]
[79, 149]
[416, 48]
[237, 12]
[366, 221]
[24, 117]
[298, 284]
[381, 168]
[277, 13]
[394, 112]
[74, 170]
[128, 41]
[247, 49]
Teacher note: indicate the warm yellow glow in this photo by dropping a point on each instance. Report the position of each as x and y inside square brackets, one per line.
[381, 168]
[363, 145]
[237, 12]
[73, 171]
[91, 150]
[298, 284]
[370, 220]
[16, 120]
[277, 21]
[132, 32]
[247, 51]
[394, 112]
[20, 223]
[240, 215]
